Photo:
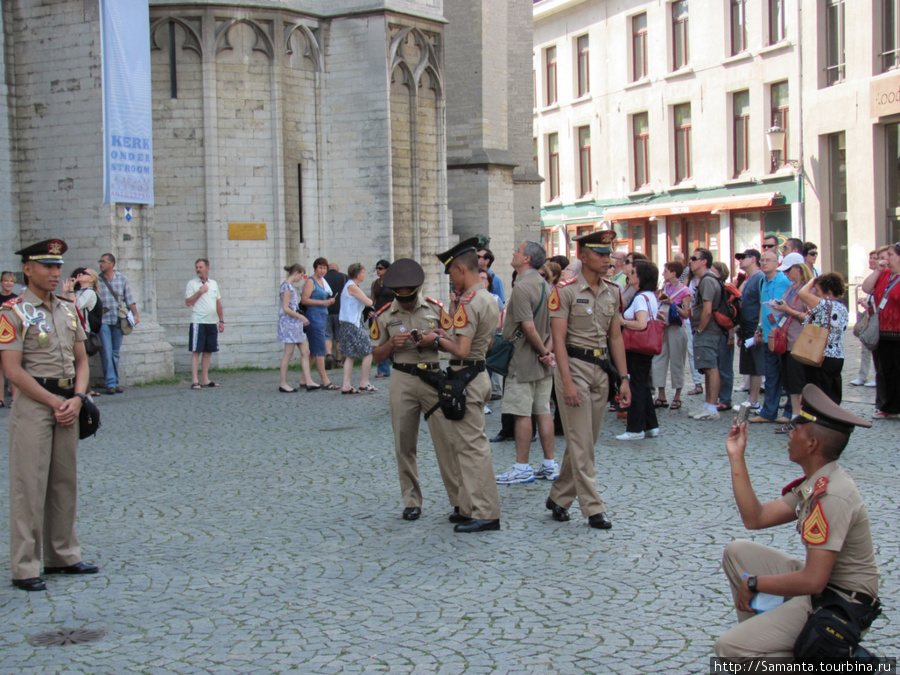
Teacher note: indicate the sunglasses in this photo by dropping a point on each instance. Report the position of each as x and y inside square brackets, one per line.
[813, 253]
[769, 245]
[381, 269]
[695, 258]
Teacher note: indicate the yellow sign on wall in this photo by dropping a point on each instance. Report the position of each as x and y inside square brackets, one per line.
[885, 96]
[246, 231]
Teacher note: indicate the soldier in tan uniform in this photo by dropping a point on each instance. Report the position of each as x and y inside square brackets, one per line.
[474, 322]
[398, 329]
[42, 351]
[585, 317]
[831, 520]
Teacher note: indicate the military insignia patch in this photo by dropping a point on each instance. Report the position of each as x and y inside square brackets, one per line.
[375, 331]
[446, 320]
[7, 331]
[468, 296]
[815, 527]
[10, 304]
[460, 319]
[553, 301]
[821, 487]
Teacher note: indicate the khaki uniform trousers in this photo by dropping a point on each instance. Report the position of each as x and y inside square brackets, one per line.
[478, 496]
[42, 489]
[772, 633]
[410, 397]
[577, 474]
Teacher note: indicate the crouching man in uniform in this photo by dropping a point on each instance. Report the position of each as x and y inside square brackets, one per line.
[42, 351]
[398, 330]
[474, 322]
[831, 520]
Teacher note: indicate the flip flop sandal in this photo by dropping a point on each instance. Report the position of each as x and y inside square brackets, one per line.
[723, 407]
[660, 403]
[368, 387]
[196, 385]
[331, 386]
[211, 384]
[313, 387]
[350, 391]
[695, 391]
[676, 404]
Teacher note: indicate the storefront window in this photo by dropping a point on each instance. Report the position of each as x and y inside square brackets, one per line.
[747, 231]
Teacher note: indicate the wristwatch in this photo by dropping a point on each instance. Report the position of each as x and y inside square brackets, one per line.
[752, 581]
[627, 377]
[82, 397]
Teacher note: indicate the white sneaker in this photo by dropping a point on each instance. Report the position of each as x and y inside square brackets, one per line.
[858, 382]
[707, 415]
[487, 411]
[652, 433]
[513, 475]
[754, 407]
[870, 384]
[548, 472]
[631, 436]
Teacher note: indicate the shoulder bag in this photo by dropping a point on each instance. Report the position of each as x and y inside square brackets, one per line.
[870, 332]
[122, 310]
[778, 336]
[809, 348]
[648, 341]
[500, 354]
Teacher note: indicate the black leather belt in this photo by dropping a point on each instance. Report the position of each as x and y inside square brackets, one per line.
[855, 595]
[416, 368]
[595, 356]
[64, 387]
[481, 365]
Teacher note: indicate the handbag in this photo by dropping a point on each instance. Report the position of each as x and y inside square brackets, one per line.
[648, 341]
[500, 354]
[778, 336]
[92, 344]
[88, 418]
[121, 310]
[870, 333]
[809, 349]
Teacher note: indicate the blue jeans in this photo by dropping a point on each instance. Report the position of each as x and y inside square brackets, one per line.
[726, 370]
[384, 368]
[773, 386]
[110, 344]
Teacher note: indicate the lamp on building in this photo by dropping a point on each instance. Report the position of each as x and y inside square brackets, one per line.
[714, 212]
[653, 219]
[775, 141]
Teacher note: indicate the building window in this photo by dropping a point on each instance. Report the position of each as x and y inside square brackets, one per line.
[780, 117]
[834, 42]
[890, 56]
[741, 102]
[639, 46]
[584, 161]
[738, 26]
[777, 24]
[837, 183]
[682, 142]
[553, 165]
[680, 48]
[892, 171]
[537, 166]
[550, 61]
[641, 133]
[582, 46]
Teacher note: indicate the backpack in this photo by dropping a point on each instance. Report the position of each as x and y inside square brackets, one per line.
[95, 316]
[728, 313]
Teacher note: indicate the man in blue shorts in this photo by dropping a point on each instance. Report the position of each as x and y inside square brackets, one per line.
[207, 321]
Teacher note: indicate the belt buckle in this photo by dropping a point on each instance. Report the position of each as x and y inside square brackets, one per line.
[64, 384]
[422, 366]
[597, 353]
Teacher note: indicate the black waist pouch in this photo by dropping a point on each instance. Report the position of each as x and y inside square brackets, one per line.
[834, 627]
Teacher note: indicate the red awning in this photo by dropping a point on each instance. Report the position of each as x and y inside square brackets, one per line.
[754, 201]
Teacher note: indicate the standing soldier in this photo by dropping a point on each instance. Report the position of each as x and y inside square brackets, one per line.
[42, 352]
[585, 324]
[398, 330]
[474, 322]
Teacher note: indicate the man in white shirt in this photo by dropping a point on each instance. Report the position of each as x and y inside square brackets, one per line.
[207, 321]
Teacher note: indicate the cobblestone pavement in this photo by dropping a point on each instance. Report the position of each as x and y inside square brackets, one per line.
[244, 530]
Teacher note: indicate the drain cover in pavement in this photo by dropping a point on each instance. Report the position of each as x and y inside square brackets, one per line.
[65, 637]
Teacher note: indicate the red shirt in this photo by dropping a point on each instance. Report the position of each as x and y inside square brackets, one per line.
[889, 317]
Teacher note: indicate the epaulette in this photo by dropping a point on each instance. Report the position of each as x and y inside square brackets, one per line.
[10, 303]
[468, 296]
[611, 283]
[821, 487]
[435, 302]
[59, 297]
[383, 309]
[566, 282]
[790, 486]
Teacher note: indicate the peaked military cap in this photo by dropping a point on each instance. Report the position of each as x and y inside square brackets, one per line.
[471, 244]
[403, 273]
[600, 241]
[49, 251]
[819, 409]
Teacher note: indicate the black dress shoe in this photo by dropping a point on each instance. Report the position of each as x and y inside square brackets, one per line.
[32, 584]
[600, 521]
[478, 526]
[412, 513]
[457, 517]
[80, 567]
[499, 438]
[559, 513]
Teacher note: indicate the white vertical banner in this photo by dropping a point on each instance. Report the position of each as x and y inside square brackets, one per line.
[127, 111]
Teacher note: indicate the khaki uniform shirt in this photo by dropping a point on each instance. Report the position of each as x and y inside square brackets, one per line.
[589, 315]
[425, 316]
[477, 317]
[831, 516]
[525, 365]
[57, 359]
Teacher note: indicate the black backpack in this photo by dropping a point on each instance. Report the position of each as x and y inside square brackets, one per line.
[95, 316]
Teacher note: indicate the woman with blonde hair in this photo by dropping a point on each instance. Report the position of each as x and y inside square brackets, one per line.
[290, 329]
[791, 304]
